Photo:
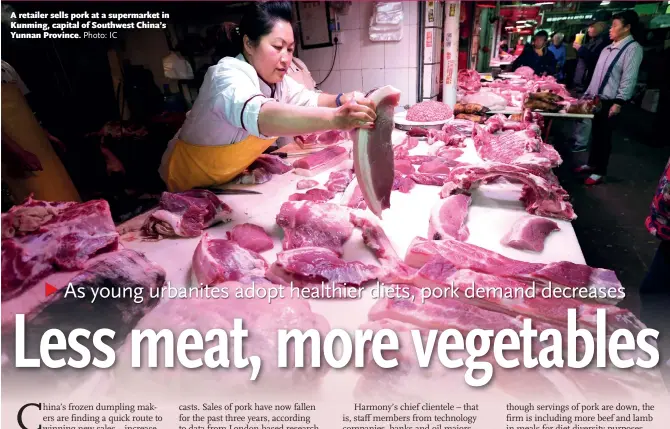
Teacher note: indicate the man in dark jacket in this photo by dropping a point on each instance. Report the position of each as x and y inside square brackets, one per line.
[588, 54]
[537, 56]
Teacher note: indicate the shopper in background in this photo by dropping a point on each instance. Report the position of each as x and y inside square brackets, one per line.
[587, 58]
[537, 56]
[588, 54]
[614, 80]
[557, 47]
[570, 62]
[658, 224]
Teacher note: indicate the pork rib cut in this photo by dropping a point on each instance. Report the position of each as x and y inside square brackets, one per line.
[186, 214]
[71, 236]
[309, 224]
[448, 218]
[540, 195]
[373, 152]
[529, 233]
[216, 261]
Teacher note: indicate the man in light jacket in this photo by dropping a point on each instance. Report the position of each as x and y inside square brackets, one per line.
[614, 80]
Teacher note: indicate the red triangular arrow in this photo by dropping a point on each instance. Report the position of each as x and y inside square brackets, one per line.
[49, 289]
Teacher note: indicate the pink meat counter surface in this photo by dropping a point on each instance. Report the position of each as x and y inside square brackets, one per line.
[494, 209]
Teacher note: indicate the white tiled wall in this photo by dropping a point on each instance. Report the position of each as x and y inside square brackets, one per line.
[363, 65]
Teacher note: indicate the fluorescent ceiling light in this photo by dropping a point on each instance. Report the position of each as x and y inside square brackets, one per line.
[604, 3]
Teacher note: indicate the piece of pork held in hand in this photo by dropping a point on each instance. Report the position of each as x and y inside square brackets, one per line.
[186, 214]
[373, 152]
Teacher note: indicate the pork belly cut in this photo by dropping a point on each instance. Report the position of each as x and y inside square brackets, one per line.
[448, 218]
[251, 237]
[309, 224]
[373, 152]
[186, 214]
[320, 161]
[216, 261]
[529, 233]
[469, 256]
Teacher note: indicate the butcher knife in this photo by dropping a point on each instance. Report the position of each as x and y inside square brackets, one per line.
[221, 191]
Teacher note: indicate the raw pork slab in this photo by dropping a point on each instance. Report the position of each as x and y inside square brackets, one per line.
[315, 195]
[468, 256]
[216, 261]
[306, 184]
[132, 282]
[251, 237]
[30, 215]
[529, 233]
[353, 197]
[373, 152]
[447, 218]
[186, 214]
[338, 180]
[317, 162]
[317, 268]
[541, 195]
[402, 183]
[257, 176]
[404, 166]
[70, 237]
[259, 317]
[395, 271]
[308, 224]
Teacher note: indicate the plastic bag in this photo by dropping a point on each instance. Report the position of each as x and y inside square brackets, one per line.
[176, 67]
[386, 22]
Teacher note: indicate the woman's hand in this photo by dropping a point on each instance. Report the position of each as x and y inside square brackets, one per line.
[352, 115]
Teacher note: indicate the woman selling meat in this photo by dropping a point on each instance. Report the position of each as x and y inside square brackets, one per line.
[247, 102]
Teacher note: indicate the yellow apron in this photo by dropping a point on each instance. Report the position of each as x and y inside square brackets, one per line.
[53, 183]
[192, 166]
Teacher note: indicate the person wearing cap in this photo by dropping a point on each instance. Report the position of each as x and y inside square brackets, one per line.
[537, 56]
[588, 53]
[614, 80]
[587, 57]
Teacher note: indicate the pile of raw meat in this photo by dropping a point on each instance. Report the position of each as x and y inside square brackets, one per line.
[513, 93]
[429, 111]
[48, 245]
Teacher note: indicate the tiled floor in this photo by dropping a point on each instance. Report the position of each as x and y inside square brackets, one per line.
[610, 223]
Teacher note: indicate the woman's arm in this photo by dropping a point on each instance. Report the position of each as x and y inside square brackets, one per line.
[286, 120]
